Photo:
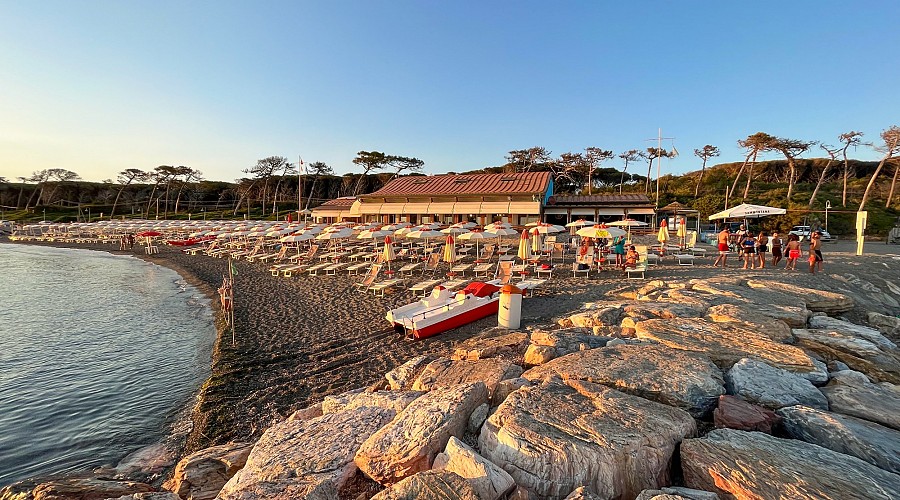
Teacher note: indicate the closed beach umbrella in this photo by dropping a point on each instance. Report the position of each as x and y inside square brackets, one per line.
[535, 241]
[388, 254]
[523, 246]
[450, 250]
[663, 236]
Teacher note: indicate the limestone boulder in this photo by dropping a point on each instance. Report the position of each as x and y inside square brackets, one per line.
[444, 372]
[868, 441]
[568, 340]
[392, 400]
[738, 464]
[816, 300]
[509, 345]
[507, 387]
[201, 475]
[403, 376]
[411, 441]
[539, 354]
[887, 325]
[771, 387]
[87, 489]
[677, 493]
[652, 371]
[581, 493]
[857, 353]
[599, 315]
[775, 329]
[735, 413]
[644, 310]
[879, 403]
[430, 485]
[849, 329]
[489, 481]
[157, 495]
[311, 411]
[554, 437]
[727, 343]
[306, 458]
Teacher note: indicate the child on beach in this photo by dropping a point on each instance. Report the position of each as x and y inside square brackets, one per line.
[631, 258]
[815, 252]
[762, 246]
[793, 252]
[776, 249]
[748, 245]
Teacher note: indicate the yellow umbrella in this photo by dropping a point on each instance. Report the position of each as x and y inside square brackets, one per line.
[388, 252]
[681, 232]
[523, 246]
[535, 241]
[663, 235]
[450, 250]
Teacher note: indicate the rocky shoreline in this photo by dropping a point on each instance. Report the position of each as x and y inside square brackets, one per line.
[616, 388]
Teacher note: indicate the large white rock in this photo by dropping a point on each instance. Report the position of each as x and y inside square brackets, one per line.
[727, 343]
[653, 371]
[771, 387]
[201, 475]
[410, 442]
[392, 400]
[489, 481]
[555, 437]
[444, 372]
[879, 403]
[299, 458]
[852, 330]
[738, 464]
[403, 376]
[876, 444]
[430, 485]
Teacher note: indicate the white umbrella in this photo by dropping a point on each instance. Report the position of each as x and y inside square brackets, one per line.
[747, 211]
[600, 232]
[581, 223]
[465, 225]
[454, 230]
[337, 234]
[477, 236]
[502, 231]
[629, 223]
[424, 234]
[548, 229]
[296, 238]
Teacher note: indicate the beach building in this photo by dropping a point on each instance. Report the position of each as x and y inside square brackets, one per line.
[517, 198]
[481, 198]
[562, 209]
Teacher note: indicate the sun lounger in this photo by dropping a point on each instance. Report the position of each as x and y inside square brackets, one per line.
[685, 259]
[409, 268]
[485, 269]
[379, 288]
[529, 286]
[422, 288]
[585, 270]
[358, 267]
[454, 285]
[540, 271]
[289, 271]
[461, 268]
[333, 269]
[641, 267]
[314, 270]
[370, 278]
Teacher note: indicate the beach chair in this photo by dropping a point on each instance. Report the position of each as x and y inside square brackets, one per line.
[333, 269]
[461, 268]
[542, 271]
[370, 278]
[431, 264]
[381, 287]
[305, 257]
[314, 270]
[422, 288]
[684, 259]
[585, 268]
[272, 255]
[409, 268]
[357, 267]
[530, 286]
[484, 269]
[289, 271]
[203, 248]
[487, 253]
[504, 273]
[454, 285]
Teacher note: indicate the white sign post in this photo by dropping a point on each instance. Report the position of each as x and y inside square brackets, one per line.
[860, 230]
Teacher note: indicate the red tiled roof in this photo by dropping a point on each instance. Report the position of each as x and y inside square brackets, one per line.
[602, 198]
[345, 201]
[466, 184]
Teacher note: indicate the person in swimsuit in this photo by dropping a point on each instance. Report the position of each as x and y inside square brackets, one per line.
[793, 252]
[618, 248]
[722, 240]
[748, 248]
[815, 252]
[631, 258]
[776, 249]
[762, 246]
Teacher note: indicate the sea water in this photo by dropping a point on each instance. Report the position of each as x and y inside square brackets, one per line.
[99, 356]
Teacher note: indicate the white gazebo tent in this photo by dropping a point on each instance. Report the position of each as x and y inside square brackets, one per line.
[747, 211]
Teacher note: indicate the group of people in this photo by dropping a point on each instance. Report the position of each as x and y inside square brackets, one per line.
[753, 249]
[625, 257]
[126, 242]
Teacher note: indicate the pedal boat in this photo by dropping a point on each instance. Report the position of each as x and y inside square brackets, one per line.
[444, 310]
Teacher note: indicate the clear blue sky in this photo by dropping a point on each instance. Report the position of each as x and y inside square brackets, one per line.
[100, 86]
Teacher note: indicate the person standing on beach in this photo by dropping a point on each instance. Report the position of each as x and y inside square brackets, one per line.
[815, 252]
[776, 249]
[618, 248]
[122, 242]
[762, 246]
[131, 241]
[722, 240]
[793, 252]
[739, 238]
[748, 247]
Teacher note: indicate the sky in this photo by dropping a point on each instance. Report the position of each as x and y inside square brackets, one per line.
[96, 87]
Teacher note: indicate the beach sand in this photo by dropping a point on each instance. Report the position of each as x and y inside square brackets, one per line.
[300, 339]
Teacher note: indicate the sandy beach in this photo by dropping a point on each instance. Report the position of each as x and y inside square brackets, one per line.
[302, 338]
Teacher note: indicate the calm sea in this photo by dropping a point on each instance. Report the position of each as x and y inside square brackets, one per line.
[100, 355]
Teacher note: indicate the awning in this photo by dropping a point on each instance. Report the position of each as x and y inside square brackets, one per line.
[525, 207]
[556, 211]
[640, 211]
[354, 209]
[370, 208]
[443, 208]
[494, 207]
[610, 211]
[583, 211]
[416, 208]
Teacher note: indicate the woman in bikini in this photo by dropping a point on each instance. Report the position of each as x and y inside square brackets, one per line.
[748, 248]
[762, 246]
[776, 249]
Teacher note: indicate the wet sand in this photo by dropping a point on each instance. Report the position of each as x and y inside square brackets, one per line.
[299, 339]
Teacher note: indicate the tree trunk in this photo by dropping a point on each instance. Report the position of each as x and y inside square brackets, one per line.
[791, 169]
[312, 191]
[819, 184]
[750, 175]
[150, 199]
[846, 174]
[649, 172]
[700, 179]
[893, 184]
[734, 184]
[622, 179]
[862, 204]
[116, 202]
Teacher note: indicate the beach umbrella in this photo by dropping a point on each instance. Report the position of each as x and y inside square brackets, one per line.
[498, 225]
[149, 233]
[523, 246]
[681, 230]
[663, 236]
[424, 234]
[747, 211]
[296, 238]
[388, 254]
[454, 230]
[502, 231]
[450, 251]
[629, 223]
[465, 225]
[581, 223]
[597, 231]
[548, 229]
[403, 231]
[535, 241]
[477, 236]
